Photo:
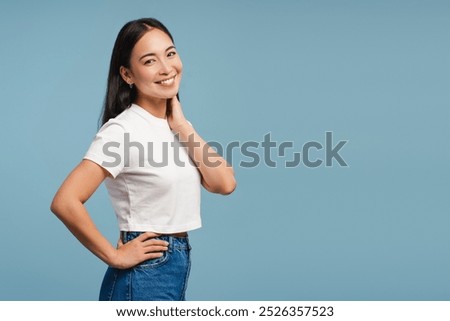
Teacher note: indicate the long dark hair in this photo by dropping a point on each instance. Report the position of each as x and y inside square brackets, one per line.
[119, 95]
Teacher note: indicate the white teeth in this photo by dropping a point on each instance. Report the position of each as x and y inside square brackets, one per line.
[167, 81]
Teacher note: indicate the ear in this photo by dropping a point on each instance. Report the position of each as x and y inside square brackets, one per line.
[126, 75]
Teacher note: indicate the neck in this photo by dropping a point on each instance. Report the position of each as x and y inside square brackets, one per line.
[155, 106]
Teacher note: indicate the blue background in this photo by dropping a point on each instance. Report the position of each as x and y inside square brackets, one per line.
[375, 73]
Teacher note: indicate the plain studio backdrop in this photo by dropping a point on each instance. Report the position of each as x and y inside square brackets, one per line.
[374, 73]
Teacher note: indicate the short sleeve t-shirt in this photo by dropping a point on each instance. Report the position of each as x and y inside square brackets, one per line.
[154, 185]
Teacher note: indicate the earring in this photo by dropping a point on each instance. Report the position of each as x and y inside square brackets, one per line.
[131, 86]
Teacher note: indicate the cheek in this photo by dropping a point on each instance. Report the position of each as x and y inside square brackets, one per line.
[179, 65]
[144, 76]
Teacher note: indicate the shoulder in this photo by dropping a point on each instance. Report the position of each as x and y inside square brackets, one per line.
[123, 122]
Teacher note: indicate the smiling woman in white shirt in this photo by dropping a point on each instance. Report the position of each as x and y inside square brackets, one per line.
[153, 163]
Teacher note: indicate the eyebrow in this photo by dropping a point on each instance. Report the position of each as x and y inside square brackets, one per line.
[152, 54]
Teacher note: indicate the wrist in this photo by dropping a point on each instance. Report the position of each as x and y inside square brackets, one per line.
[182, 127]
[113, 258]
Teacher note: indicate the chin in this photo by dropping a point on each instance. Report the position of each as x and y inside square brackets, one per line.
[171, 94]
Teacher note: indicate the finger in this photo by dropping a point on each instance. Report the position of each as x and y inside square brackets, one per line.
[147, 235]
[153, 255]
[155, 242]
[175, 103]
[156, 249]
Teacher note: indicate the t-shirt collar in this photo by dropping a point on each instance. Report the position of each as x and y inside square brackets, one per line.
[148, 116]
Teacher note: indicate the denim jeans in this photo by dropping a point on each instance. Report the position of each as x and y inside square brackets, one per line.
[161, 279]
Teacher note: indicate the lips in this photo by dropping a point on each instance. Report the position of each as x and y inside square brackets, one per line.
[167, 81]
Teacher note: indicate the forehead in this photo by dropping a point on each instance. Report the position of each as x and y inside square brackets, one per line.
[153, 41]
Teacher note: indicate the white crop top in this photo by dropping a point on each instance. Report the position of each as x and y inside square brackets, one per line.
[154, 185]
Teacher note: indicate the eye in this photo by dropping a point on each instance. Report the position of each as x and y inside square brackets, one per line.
[171, 54]
[149, 61]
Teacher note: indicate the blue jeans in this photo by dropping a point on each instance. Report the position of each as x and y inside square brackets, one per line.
[161, 279]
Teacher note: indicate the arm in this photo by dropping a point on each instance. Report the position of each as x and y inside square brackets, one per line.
[68, 206]
[217, 174]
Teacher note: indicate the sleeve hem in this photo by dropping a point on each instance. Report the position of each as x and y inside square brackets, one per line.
[95, 160]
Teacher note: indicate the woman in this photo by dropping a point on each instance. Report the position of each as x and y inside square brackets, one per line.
[153, 163]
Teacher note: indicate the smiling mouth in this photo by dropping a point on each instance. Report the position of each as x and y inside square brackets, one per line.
[166, 82]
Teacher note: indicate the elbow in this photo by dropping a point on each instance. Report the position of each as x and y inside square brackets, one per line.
[59, 205]
[55, 206]
[225, 184]
[229, 183]
[229, 188]
[226, 188]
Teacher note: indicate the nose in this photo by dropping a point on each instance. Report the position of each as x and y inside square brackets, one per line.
[166, 68]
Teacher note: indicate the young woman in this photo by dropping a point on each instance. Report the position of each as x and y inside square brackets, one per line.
[153, 163]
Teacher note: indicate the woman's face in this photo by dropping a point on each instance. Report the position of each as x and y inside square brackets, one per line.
[155, 67]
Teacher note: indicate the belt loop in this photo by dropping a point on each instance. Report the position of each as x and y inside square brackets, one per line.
[188, 244]
[123, 236]
[170, 240]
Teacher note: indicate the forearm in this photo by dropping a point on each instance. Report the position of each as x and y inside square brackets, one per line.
[75, 216]
[217, 174]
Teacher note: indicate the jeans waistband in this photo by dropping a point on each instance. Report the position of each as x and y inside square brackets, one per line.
[175, 242]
